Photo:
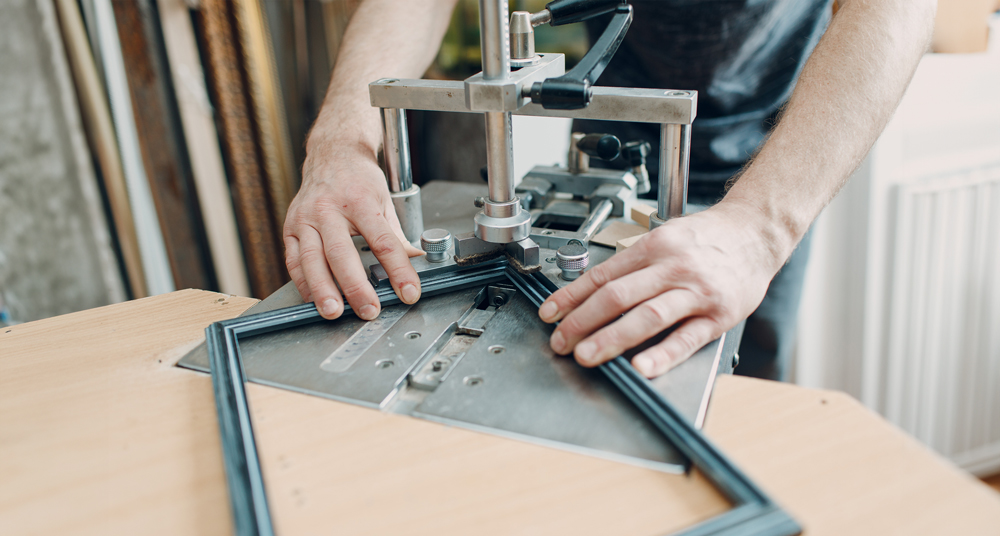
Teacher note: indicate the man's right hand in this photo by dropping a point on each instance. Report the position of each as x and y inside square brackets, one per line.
[345, 195]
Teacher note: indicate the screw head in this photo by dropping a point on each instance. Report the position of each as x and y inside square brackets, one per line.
[572, 259]
[479, 202]
[436, 243]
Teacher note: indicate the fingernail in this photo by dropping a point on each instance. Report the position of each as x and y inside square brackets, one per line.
[330, 307]
[410, 293]
[368, 312]
[585, 351]
[557, 342]
[644, 365]
[548, 311]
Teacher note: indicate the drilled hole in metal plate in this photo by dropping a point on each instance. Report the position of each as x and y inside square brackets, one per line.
[365, 248]
[678, 93]
[547, 233]
[496, 349]
[472, 381]
[384, 363]
[413, 335]
[550, 259]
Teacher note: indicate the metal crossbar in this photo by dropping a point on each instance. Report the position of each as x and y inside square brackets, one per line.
[753, 513]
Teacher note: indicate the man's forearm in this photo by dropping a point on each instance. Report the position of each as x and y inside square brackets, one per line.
[846, 94]
[396, 38]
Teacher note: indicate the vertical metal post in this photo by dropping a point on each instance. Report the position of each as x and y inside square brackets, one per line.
[396, 149]
[499, 157]
[494, 39]
[675, 150]
[495, 42]
[399, 175]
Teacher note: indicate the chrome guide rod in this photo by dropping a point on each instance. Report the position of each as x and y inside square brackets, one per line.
[495, 43]
[493, 29]
[675, 150]
[399, 174]
[597, 217]
[499, 157]
[396, 150]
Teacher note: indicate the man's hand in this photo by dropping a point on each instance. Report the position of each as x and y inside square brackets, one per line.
[705, 272]
[344, 192]
[709, 270]
[343, 196]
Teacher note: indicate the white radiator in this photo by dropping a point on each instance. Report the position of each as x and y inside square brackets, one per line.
[901, 305]
[937, 375]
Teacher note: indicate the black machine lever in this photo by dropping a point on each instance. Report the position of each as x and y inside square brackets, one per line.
[603, 146]
[573, 90]
[570, 11]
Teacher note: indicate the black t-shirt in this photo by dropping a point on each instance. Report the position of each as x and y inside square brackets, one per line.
[742, 56]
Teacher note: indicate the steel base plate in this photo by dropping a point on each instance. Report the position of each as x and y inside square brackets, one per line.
[461, 360]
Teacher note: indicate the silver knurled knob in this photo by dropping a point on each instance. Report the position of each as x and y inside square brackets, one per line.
[572, 259]
[436, 243]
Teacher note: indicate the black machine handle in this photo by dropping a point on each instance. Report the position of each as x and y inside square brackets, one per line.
[573, 90]
[603, 146]
[570, 11]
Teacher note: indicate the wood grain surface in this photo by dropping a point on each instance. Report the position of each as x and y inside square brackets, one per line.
[96, 114]
[257, 225]
[101, 434]
[161, 142]
[267, 104]
[198, 121]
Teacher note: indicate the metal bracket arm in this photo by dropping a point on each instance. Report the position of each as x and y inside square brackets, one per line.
[510, 94]
[608, 103]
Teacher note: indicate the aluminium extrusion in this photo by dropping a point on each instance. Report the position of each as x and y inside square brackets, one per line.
[753, 512]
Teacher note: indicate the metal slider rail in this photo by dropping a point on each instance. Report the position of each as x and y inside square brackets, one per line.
[753, 513]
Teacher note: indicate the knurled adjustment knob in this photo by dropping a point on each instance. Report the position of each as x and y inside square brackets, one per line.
[436, 243]
[572, 259]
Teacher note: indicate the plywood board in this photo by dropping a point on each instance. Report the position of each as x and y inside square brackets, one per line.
[626, 243]
[615, 231]
[110, 438]
[640, 213]
[841, 469]
[103, 435]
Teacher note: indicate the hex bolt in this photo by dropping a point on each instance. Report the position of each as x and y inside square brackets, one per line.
[436, 243]
[572, 259]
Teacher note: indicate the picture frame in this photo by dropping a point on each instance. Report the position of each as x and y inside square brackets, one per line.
[753, 512]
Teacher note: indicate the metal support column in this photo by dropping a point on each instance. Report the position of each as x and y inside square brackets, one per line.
[675, 150]
[399, 175]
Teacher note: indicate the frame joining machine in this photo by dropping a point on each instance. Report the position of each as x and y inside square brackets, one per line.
[517, 80]
[496, 274]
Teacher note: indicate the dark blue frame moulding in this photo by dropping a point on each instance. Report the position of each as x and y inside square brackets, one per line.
[753, 513]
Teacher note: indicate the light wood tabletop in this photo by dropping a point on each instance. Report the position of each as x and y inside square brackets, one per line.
[100, 433]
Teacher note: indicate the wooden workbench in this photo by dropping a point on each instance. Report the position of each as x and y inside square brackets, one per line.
[101, 434]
